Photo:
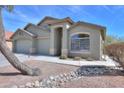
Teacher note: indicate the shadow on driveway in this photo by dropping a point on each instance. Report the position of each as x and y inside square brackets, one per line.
[10, 74]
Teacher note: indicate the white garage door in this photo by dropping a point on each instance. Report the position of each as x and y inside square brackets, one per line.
[43, 46]
[23, 46]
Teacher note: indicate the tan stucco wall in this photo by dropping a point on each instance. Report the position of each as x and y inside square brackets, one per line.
[95, 42]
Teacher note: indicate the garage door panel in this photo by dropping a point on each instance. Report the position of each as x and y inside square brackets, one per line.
[23, 46]
[43, 46]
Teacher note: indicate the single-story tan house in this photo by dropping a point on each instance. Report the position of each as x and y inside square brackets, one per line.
[53, 36]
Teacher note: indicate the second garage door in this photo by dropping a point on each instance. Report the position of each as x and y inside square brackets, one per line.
[43, 46]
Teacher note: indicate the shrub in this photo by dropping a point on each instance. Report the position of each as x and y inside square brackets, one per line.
[90, 59]
[116, 51]
[63, 57]
[77, 58]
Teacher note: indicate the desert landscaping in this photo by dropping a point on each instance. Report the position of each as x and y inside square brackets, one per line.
[62, 76]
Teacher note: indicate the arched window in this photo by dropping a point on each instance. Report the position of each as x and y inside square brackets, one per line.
[80, 42]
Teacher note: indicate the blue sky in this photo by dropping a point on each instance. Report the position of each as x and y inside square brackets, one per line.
[110, 16]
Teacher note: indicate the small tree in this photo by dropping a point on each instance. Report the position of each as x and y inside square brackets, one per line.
[113, 39]
[13, 60]
[116, 51]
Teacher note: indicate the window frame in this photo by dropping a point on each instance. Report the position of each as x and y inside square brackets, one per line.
[79, 51]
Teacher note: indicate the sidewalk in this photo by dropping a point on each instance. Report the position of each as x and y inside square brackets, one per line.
[23, 57]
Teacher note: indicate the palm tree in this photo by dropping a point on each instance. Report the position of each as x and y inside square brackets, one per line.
[13, 60]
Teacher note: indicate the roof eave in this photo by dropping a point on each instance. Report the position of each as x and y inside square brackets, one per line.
[47, 17]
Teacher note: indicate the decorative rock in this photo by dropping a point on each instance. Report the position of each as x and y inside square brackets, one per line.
[33, 85]
[28, 85]
[52, 78]
[37, 84]
[41, 83]
[14, 86]
[58, 80]
[68, 78]
[65, 79]
[65, 74]
[94, 70]
[61, 75]
[22, 86]
[72, 74]
[48, 82]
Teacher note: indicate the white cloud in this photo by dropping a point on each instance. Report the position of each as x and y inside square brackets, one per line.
[19, 13]
[108, 9]
[24, 17]
[77, 9]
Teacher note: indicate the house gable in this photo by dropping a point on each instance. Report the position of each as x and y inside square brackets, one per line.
[91, 26]
[33, 25]
[36, 30]
[66, 20]
[20, 33]
[51, 20]
[47, 20]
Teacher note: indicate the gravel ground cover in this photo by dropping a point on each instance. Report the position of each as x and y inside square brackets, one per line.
[10, 76]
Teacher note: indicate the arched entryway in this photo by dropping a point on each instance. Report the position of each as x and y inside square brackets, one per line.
[58, 40]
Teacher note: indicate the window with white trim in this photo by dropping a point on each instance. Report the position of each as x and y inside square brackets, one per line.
[80, 42]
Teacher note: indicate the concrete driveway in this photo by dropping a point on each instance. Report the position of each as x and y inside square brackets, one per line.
[24, 57]
[3, 61]
[53, 59]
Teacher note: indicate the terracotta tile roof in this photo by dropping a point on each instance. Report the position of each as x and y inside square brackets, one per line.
[8, 35]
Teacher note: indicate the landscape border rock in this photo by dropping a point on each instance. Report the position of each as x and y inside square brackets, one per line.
[58, 80]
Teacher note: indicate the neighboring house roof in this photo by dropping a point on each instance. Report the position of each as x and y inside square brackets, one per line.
[102, 28]
[8, 35]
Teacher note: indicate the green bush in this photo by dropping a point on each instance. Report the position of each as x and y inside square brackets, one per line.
[63, 57]
[77, 58]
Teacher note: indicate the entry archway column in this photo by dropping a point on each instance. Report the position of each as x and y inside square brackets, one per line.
[52, 48]
[64, 51]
